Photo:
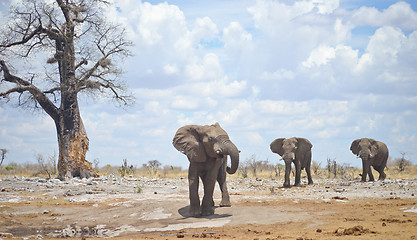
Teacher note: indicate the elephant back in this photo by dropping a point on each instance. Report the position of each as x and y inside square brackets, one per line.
[186, 140]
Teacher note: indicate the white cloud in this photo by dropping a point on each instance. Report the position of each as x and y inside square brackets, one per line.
[171, 69]
[185, 103]
[235, 38]
[157, 22]
[279, 74]
[282, 107]
[399, 14]
[326, 6]
[208, 69]
[265, 13]
[256, 139]
[385, 44]
[320, 56]
[204, 29]
[279, 69]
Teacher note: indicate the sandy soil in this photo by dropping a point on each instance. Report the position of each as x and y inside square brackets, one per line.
[147, 208]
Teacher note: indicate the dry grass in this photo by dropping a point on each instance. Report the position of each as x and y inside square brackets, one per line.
[33, 170]
[350, 174]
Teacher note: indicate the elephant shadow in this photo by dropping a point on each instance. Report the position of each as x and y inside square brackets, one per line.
[184, 212]
[302, 185]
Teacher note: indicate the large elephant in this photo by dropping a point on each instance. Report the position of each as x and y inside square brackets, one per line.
[373, 153]
[206, 147]
[294, 150]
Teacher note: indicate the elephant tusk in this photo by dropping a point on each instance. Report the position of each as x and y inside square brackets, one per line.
[281, 159]
[358, 157]
[218, 152]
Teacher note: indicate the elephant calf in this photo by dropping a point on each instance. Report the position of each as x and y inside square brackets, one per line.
[373, 153]
[206, 148]
[294, 150]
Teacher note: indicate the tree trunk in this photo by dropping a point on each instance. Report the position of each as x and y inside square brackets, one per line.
[72, 137]
[73, 146]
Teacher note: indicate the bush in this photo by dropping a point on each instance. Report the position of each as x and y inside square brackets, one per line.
[9, 168]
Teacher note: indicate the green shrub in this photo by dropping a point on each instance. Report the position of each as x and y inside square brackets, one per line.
[9, 168]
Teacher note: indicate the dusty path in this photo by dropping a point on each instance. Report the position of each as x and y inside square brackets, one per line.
[112, 207]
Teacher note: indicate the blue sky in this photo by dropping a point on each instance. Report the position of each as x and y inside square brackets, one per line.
[330, 71]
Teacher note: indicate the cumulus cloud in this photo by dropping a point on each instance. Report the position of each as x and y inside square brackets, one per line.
[209, 68]
[204, 29]
[235, 38]
[399, 14]
[326, 6]
[278, 69]
[320, 56]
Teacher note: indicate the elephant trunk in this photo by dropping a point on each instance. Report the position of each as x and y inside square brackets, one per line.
[365, 155]
[288, 157]
[228, 148]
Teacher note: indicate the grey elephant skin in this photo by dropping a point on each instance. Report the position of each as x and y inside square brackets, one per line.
[207, 148]
[373, 153]
[294, 150]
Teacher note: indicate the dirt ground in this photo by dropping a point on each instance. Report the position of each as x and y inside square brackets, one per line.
[147, 208]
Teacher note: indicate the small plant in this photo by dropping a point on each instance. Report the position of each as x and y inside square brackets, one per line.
[244, 171]
[278, 169]
[153, 166]
[96, 162]
[331, 167]
[402, 163]
[46, 166]
[315, 166]
[125, 170]
[9, 168]
[138, 189]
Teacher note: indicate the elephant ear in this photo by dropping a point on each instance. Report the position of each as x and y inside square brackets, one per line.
[187, 141]
[276, 146]
[304, 145]
[374, 146]
[354, 147]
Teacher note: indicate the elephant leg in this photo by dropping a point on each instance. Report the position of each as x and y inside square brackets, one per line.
[371, 176]
[382, 174]
[307, 161]
[193, 182]
[297, 173]
[310, 179]
[209, 183]
[221, 179]
[364, 171]
[287, 174]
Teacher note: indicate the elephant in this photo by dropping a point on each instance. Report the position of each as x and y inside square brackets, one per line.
[294, 150]
[373, 153]
[206, 147]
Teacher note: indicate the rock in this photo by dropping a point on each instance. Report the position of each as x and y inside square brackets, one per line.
[68, 232]
[54, 180]
[6, 235]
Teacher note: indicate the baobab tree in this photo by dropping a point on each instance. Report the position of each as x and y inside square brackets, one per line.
[51, 51]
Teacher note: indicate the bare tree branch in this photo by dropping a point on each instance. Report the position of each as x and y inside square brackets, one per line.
[24, 86]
